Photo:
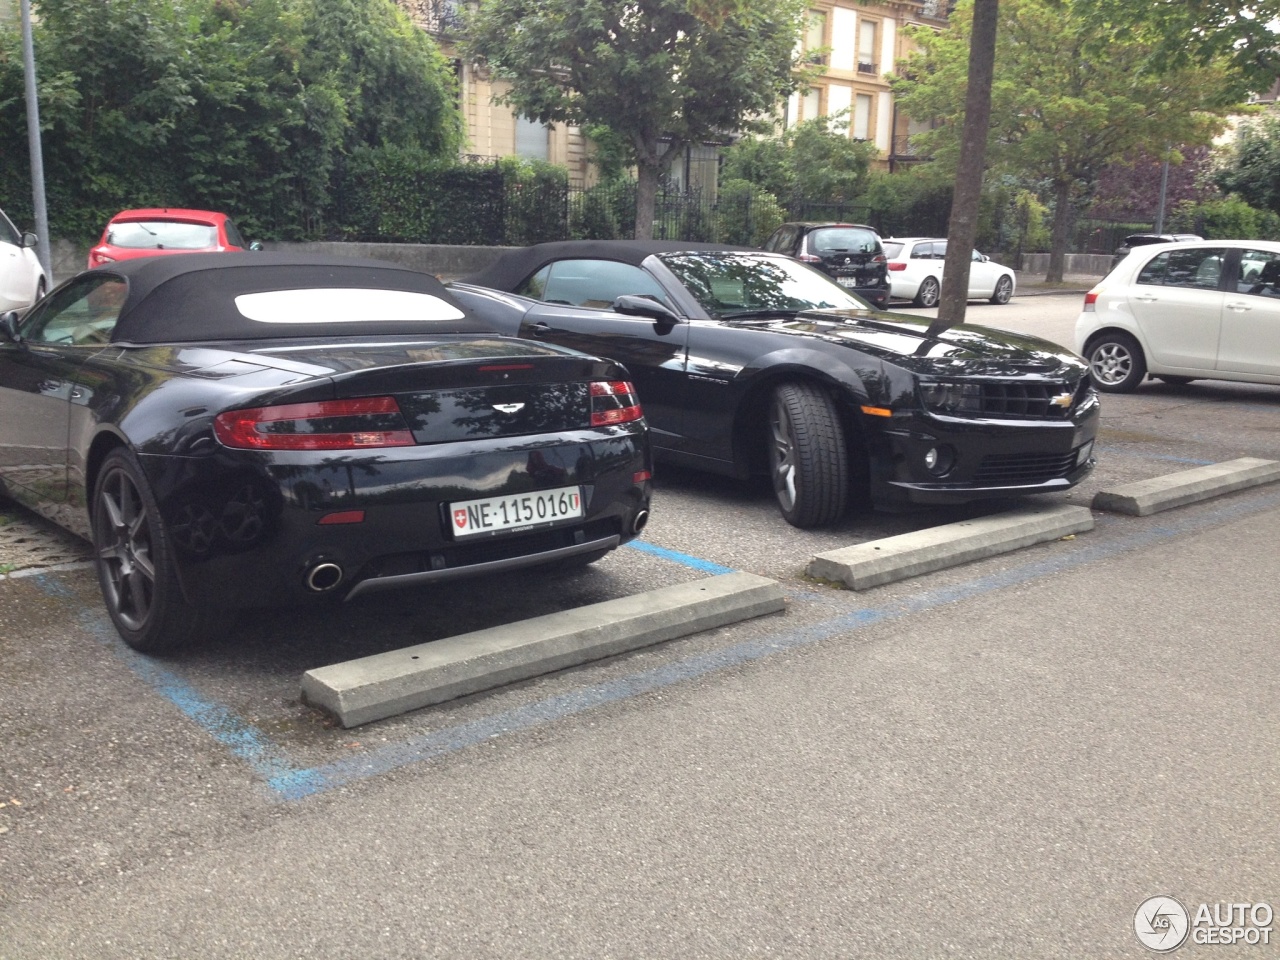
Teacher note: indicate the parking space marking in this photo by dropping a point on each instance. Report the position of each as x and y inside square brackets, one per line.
[683, 558]
[289, 782]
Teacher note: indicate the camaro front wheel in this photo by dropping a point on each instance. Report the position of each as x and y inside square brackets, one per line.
[1115, 362]
[808, 459]
[135, 561]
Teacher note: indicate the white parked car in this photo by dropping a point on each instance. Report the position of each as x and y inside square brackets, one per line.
[1205, 309]
[915, 272]
[22, 279]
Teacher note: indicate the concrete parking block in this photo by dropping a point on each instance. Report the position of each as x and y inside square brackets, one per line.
[1144, 497]
[388, 684]
[911, 554]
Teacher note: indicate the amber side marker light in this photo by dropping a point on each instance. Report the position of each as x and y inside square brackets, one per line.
[877, 411]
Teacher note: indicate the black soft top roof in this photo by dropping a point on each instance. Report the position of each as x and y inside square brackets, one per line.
[512, 269]
[189, 297]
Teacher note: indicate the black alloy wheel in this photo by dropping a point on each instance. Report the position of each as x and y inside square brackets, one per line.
[927, 295]
[135, 561]
[808, 459]
[1115, 362]
[1003, 292]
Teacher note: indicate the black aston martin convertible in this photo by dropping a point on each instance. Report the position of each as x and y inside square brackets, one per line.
[235, 430]
[750, 362]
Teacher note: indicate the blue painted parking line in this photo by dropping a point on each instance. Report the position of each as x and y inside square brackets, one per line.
[683, 558]
[287, 781]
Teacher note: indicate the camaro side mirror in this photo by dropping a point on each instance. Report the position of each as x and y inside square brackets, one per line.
[256, 245]
[634, 306]
[9, 326]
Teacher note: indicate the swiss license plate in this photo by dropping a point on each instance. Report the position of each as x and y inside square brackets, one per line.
[847, 281]
[470, 518]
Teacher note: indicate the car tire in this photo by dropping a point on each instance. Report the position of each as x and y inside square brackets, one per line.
[1116, 363]
[135, 564]
[1004, 291]
[1175, 381]
[927, 295]
[808, 459]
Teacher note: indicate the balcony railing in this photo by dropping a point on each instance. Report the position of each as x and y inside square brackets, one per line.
[439, 17]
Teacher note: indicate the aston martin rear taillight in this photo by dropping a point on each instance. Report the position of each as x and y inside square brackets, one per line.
[613, 401]
[356, 424]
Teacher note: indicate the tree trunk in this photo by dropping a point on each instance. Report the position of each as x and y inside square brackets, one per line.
[646, 198]
[962, 230]
[1061, 232]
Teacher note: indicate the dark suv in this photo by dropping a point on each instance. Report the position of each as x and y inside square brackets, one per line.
[849, 253]
[1142, 239]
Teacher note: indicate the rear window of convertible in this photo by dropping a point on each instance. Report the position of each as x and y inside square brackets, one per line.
[344, 305]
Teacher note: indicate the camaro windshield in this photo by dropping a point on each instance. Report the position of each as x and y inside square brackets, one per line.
[742, 284]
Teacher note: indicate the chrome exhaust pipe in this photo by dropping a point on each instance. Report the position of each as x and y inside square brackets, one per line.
[323, 577]
[638, 524]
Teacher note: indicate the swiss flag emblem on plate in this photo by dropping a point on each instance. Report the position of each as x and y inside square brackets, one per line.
[460, 519]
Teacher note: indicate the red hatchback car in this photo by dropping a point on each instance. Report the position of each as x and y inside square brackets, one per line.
[157, 232]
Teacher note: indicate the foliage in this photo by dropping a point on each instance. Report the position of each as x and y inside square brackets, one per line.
[814, 161]
[746, 213]
[537, 201]
[1062, 111]
[1252, 169]
[606, 211]
[1229, 218]
[1130, 189]
[662, 74]
[1181, 33]
[914, 202]
[246, 106]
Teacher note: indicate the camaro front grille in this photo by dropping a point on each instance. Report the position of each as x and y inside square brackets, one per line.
[1009, 469]
[1029, 401]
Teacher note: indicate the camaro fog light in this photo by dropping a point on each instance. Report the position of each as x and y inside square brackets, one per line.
[939, 460]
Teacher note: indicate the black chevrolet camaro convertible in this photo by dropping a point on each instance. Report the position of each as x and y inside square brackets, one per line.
[751, 362]
[233, 430]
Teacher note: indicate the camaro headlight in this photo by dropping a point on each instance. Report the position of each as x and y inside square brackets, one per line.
[952, 397]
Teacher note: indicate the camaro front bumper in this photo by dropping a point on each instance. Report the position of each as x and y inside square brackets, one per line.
[925, 459]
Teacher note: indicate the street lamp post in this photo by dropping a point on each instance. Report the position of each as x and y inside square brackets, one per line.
[33, 141]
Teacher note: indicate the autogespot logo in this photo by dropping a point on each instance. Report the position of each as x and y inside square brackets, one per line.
[1161, 924]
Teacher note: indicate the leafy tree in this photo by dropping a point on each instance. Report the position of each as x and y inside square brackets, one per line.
[1061, 113]
[1226, 217]
[661, 73]
[1180, 33]
[247, 106]
[814, 161]
[1252, 169]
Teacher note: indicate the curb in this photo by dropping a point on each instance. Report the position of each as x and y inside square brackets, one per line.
[387, 684]
[1145, 497]
[884, 561]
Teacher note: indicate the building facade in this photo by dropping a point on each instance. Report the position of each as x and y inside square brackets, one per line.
[857, 45]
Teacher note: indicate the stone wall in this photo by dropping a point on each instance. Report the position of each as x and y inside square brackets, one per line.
[1076, 265]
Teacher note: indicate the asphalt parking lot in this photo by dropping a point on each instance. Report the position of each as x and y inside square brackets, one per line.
[998, 759]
